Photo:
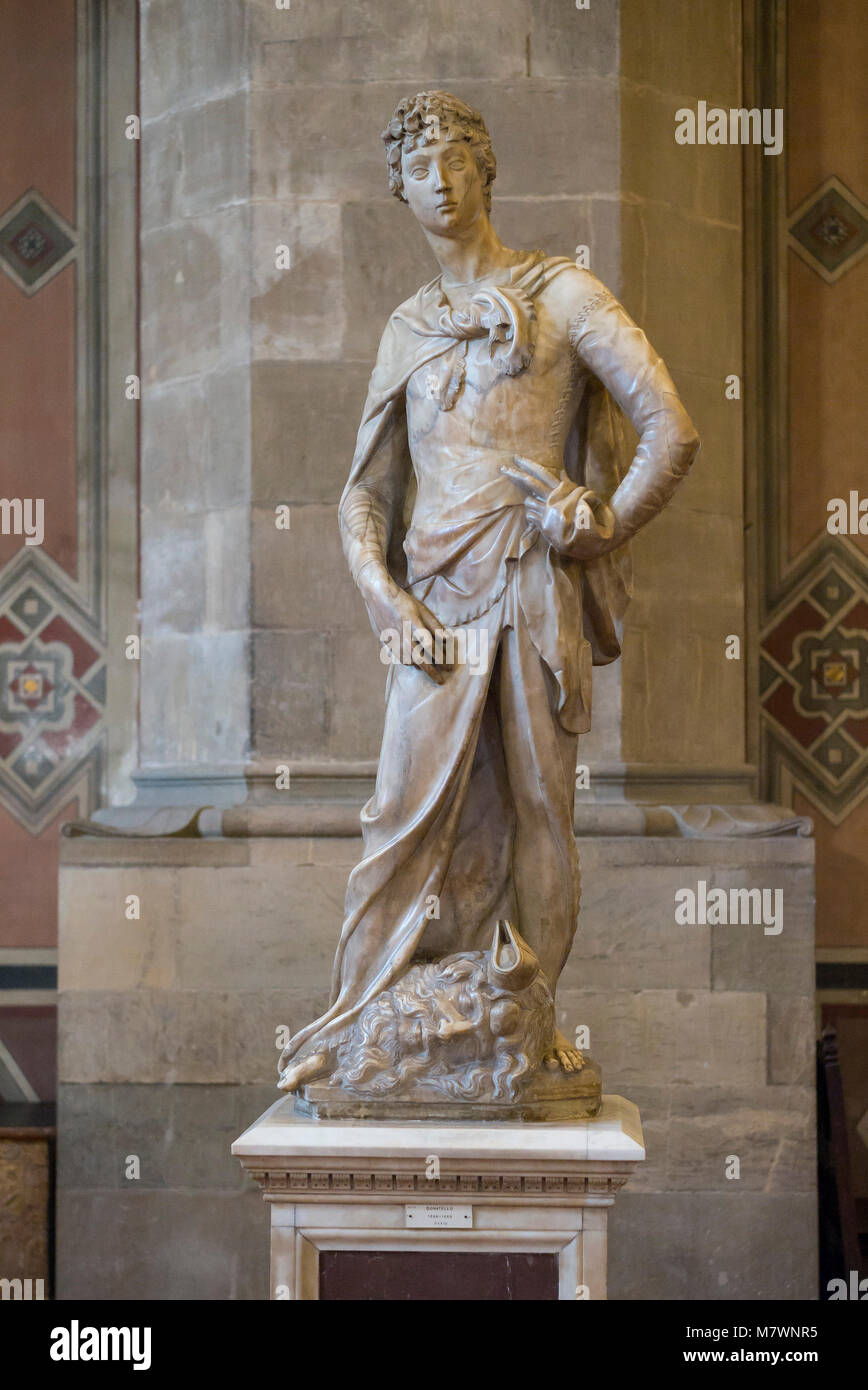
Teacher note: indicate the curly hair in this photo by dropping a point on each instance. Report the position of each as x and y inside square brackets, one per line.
[431, 116]
[479, 1065]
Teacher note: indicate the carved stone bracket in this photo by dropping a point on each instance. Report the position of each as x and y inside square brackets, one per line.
[276, 1182]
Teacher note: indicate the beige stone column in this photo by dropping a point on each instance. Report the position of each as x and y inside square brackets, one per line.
[196, 289]
[681, 236]
[272, 256]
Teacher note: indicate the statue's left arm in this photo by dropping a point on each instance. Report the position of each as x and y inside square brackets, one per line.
[617, 352]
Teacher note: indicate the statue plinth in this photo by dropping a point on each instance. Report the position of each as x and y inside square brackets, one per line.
[446, 1209]
[548, 1096]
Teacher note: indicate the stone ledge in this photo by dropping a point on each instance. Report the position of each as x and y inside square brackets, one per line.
[305, 835]
[280, 1135]
[583, 1162]
[683, 834]
[335, 780]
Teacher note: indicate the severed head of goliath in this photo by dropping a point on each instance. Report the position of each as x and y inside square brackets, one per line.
[471, 1026]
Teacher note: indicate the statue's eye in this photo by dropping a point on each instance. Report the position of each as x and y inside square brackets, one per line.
[419, 172]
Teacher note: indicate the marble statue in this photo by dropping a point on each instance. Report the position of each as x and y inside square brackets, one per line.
[486, 522]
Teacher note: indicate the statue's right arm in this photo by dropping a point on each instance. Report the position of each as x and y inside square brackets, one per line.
[370, 509]
[364, 522]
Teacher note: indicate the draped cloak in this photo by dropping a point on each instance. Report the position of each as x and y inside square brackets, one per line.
[582, 603]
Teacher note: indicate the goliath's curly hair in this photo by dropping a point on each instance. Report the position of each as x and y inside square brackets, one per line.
[430, 116]
[477, 1065]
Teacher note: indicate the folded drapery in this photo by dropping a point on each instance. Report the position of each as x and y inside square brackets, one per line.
[459, 564]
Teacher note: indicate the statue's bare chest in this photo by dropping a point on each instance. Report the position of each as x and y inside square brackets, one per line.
[464, 398]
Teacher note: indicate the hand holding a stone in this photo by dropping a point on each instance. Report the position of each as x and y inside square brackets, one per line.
[573, 519]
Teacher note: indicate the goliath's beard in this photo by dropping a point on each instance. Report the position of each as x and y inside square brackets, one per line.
[449, 1028]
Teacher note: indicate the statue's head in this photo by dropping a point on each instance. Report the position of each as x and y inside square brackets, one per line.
[470, 1026]
[440, 161]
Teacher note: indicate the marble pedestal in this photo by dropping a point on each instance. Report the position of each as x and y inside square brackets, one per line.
[518, 1193]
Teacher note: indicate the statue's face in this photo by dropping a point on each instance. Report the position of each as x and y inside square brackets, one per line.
[443, 186]
[442, 1024]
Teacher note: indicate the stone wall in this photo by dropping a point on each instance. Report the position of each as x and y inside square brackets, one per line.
[682, 281]
[196, 227]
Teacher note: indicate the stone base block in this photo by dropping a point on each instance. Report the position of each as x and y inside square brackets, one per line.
[471, 1211]
[546, 1096]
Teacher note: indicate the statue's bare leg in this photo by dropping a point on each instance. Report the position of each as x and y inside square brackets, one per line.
[293, 1076]
[540, 759]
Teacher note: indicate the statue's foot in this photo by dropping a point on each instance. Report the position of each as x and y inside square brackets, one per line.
[306, 1069]
[563, 1055]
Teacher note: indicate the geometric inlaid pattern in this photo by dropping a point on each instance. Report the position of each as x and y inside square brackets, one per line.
[52, 691]
[35, 242]
[829, 231]
[814, 683]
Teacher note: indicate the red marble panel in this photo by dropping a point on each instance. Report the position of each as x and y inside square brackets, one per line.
[28, 880]
[37, 345]
[83, 654]
[781, 706]
[803, 618]
[403, 1276]
[9, 632]
[37, 102]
